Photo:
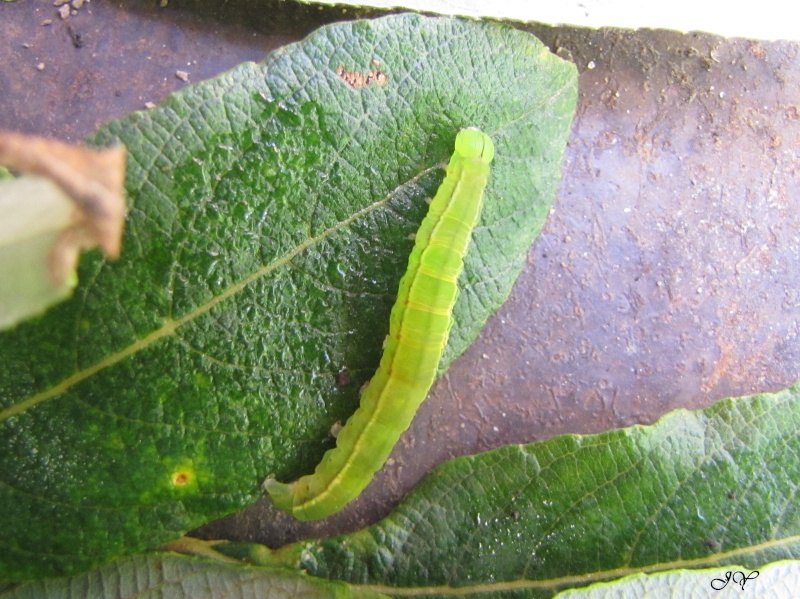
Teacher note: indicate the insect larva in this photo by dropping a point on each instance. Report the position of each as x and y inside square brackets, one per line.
[418, 330]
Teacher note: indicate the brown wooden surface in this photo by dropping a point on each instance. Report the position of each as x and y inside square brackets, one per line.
[666, 276]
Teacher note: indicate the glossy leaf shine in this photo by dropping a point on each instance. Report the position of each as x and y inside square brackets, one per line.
[268, 223]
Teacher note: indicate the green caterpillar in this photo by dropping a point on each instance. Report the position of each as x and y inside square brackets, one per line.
[419, 326]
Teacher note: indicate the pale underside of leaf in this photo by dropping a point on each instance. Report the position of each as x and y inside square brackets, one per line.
[68, 199]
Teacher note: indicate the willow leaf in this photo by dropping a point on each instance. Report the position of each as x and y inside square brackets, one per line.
[268, 223]
[695, 490]
[165, 576]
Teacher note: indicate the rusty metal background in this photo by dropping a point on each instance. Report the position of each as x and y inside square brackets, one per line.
[666, 276]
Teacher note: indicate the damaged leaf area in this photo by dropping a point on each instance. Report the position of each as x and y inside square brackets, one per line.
[66, 199]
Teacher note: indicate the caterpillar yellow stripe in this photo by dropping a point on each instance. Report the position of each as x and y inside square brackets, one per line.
[419, 326]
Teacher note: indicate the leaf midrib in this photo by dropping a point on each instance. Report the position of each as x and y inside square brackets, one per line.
[561, 583]
[171, 325]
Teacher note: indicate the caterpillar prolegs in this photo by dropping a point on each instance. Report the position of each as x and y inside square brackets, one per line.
[419, 326]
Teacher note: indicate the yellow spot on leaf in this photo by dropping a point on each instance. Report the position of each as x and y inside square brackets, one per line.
[181, 478]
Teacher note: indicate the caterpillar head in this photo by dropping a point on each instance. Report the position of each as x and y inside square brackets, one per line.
[474, 143]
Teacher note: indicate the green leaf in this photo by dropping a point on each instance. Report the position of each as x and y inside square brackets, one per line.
[695, 490]
[268, 228]
[35, 214]
[166, 576]
[778, 581]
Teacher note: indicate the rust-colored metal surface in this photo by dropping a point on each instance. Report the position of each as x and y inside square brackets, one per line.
[667, 276]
